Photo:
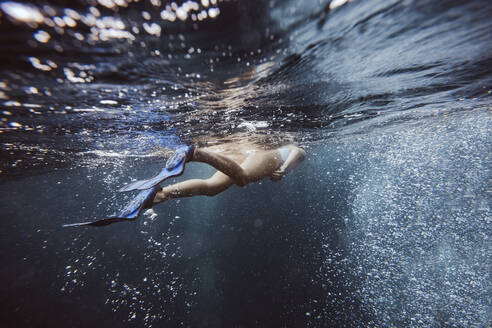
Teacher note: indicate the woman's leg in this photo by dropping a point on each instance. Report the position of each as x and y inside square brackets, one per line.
[222, 163]
[193, 187]
[256, 166]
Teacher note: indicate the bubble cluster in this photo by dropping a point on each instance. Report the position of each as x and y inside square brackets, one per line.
[420, 223]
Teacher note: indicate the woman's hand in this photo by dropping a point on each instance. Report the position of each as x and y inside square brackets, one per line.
[278, 174]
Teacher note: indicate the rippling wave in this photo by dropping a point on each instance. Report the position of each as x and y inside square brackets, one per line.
[72, 78]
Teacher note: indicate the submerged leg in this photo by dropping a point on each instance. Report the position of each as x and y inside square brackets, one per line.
[255, 167]
[194, 187]
[222, 163]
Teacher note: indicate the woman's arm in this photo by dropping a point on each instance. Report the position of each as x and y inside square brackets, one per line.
[296, 156]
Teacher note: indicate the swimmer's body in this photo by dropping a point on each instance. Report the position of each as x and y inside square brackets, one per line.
[235, 164]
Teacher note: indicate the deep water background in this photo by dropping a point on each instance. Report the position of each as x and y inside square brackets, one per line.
[386, 223]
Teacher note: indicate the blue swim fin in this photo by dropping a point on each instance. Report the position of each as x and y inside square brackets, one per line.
[131, 211]
[174, 167]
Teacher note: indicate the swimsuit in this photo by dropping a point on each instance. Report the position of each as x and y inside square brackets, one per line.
[284, 153]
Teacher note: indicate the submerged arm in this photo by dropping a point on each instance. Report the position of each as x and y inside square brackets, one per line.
[296, 156]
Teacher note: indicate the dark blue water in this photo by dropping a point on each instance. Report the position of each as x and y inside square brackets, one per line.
[387, 222]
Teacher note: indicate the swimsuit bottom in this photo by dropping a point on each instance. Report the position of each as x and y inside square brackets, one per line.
[284, 153]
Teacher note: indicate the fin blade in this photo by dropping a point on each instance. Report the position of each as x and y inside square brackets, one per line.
[163, 175]
[75, 224]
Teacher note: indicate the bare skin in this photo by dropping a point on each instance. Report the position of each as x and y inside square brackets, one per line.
[236, 165]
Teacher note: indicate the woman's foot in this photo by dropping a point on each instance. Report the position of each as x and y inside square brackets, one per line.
[161, 196]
